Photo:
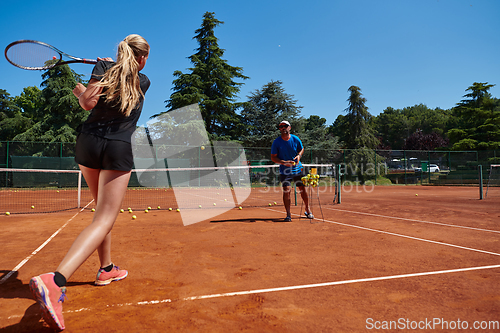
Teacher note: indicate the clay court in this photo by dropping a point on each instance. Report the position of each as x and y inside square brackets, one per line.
[384, 258]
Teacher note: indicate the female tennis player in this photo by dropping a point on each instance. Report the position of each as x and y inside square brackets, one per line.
[115, 96]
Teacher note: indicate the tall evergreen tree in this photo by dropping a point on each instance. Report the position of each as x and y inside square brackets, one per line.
[210, 84]
[478, 120]
[263, 111]
[360, 132]
[59, 113]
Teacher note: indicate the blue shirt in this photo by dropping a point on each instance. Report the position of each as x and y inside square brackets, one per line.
[287, 151]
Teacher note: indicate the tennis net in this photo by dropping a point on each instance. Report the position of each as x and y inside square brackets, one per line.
[43, 191]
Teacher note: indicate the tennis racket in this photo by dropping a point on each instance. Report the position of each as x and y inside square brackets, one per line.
[35, 55]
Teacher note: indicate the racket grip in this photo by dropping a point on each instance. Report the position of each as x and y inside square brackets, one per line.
[89, 61]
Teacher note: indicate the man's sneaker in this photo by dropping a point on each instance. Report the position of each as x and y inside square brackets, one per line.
[288, 219]
[104, 278]
[50, 298]
[309, 215]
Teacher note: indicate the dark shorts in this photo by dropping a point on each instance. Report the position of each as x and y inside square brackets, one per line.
[286, 180]
[99, 153]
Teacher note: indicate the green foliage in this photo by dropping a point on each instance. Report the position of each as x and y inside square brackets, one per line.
[364, 164]
[360, 132]
[264, 110]
[54, 112]
[477, 120]
[210, 84]
[394, 127]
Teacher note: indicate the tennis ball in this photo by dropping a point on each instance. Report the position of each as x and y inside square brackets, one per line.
[32, 207]
[202, 147]
[215, 204]
[130, 210]
[240, 207]
[7, 213]
[146, 211]
[275, 203]
[158, 207]
[270, 204]
[134, 217]
[416, 195]
[121, 210]
[199, 206]
[178, 210]
[170, 209]
[93, 209]
[149, 208]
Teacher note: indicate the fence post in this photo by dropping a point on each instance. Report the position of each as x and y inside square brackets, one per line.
[480, 168]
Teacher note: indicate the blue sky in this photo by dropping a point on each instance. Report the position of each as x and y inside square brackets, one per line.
[399, 52]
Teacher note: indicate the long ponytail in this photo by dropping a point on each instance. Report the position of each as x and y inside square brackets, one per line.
[121, 82]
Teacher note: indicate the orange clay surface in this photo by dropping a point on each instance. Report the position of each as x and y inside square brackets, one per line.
[247, 271]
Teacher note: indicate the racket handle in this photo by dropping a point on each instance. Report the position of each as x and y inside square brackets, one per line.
[89, 61]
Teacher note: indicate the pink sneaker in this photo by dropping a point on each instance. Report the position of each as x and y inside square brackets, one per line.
[104, 278]
[50, 298]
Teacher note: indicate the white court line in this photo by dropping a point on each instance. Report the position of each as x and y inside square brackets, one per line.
[405, 236]
[21, 264]
[297, 287]
[412, 220]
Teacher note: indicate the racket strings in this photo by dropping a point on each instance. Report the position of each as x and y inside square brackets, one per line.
[31, 55]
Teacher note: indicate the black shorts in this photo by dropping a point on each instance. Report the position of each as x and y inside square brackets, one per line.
[286, 180]
[99, 153]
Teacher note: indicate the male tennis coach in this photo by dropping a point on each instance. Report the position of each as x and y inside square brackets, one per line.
[287, 150]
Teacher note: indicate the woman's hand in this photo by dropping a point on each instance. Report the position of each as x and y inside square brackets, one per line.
[79, 90]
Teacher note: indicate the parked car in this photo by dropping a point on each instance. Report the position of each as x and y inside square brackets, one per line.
[431, 168]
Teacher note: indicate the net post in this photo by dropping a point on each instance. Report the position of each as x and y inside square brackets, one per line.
[480, 170]
[339, 186]
[79, 187]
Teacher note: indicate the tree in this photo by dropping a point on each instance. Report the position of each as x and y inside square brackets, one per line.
[263, 111]
[360, 133]
[478, 120]
[59, 113]
[421, 141]
[210, 84]
[12, 118]
[319, 140]
[395, 126]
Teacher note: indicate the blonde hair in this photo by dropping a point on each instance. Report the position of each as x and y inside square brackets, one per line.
[121, 82]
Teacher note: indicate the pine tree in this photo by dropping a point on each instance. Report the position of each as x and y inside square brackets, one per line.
[264, 110]
[210, 84]
[59, 113]
[360, 132]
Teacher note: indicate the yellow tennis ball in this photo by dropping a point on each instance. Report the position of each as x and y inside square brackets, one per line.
[275, 203]
[199, 206]
[7, 213]
[146, 211]
[170, 209]
[121, 210]
[93, 209]
[149, 208]
[178, 210]
[215, 204]
[240, 207]
[32, 207]
[158, 207]
[134, 217]
[202, 147]
[270, 204]
[416, 195]
[129, 208]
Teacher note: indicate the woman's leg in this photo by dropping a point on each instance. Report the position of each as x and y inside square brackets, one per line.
[111, 188]
[92, 178]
